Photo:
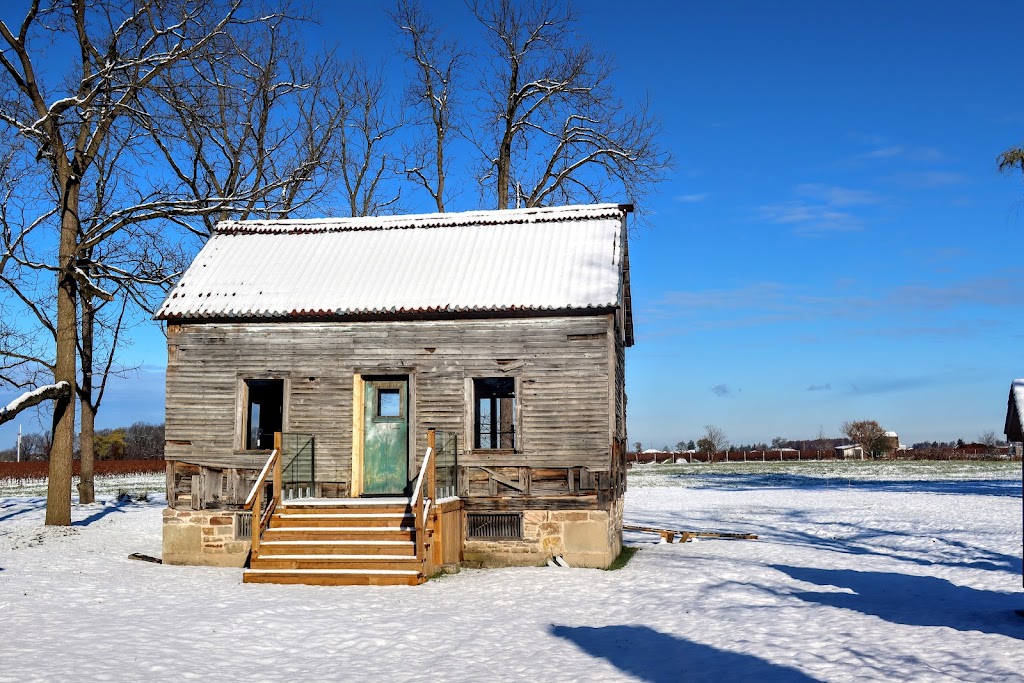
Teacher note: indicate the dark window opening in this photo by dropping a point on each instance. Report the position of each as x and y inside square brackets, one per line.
[495, 425]
[264, 413]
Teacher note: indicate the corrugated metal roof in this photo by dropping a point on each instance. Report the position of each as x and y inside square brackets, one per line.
[520, 259]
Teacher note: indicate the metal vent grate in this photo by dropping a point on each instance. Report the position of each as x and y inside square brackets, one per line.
[243, 526]
[495, 525]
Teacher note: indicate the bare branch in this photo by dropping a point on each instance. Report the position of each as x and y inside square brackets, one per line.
[49, 392]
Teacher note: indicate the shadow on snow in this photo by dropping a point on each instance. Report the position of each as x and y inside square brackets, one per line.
[854, 539]
[108, 508]
[14, 507]
[657, 657]
[970, 487]
[913, 600]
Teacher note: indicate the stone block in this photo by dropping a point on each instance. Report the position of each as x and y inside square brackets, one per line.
[182, 544]
[581, 516]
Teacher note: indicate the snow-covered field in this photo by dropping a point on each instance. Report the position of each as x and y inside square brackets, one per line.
[899, 573]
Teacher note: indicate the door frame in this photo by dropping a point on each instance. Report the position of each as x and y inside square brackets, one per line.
[359, 379]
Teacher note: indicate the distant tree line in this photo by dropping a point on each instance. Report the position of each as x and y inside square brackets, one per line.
[138, 441]
[867, 433]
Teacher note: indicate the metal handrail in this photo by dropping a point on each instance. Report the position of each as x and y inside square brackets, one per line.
[423, 473]
[420, 500]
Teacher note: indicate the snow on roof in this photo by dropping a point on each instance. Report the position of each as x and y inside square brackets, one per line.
[892, 434]
[519, 259]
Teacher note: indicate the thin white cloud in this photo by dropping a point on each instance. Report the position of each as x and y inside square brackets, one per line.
[834, 195]
[926, 180]
[882, 153]
[918, 309]
[821, 209]
[691, 198]
[809, 218]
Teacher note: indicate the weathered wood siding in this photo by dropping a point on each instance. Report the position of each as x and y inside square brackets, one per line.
[563, 365]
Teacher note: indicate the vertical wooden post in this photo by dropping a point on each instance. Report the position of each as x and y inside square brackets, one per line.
[257, 515]
[277, 469]
[430, 524]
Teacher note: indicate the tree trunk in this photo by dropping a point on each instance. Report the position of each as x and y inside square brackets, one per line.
[58, 491]
[86, 485]
[504, 162]
[86, 441]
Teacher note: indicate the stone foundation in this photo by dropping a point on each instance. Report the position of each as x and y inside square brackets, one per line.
[584, 538]
[203, 537]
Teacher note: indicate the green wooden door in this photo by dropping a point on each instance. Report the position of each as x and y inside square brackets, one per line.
[386, 437]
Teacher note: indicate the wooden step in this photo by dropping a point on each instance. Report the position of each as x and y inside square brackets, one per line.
[368, 562]
[334, 577]
[347, 504]
[340, 547]
[342, 519]
[362, 541]
[353, 533]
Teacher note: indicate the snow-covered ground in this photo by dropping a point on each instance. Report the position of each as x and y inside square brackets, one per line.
[895, 574]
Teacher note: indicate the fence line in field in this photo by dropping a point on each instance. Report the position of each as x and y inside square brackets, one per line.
[777, 455]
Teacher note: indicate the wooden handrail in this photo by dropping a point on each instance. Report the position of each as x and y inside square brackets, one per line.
[254, 501]
[259, 480]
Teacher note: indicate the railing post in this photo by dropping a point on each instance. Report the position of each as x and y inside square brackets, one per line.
[277, 468]
[257, 517]
[432, 469]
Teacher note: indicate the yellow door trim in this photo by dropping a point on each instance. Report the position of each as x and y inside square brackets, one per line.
[358, 419]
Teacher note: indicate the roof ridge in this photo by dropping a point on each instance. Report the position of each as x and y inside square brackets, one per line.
[299, 226]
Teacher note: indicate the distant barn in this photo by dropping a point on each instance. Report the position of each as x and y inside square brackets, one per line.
[311, 363]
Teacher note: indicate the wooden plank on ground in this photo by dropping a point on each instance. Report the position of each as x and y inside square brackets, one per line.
[669, 534]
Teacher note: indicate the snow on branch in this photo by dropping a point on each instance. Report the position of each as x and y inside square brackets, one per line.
[34, 397]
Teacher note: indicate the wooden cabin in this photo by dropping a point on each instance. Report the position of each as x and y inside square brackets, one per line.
[1014, 430]
[363, 400]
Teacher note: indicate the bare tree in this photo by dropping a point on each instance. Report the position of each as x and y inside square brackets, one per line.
[822, 442]
[247, 130]
[868, 434]
[553, 129]
[990, 439]
[122, 51]
[436, 67]
[362, 156]
[713, 441]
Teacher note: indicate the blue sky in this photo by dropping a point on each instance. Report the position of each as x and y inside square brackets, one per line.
[835, 242]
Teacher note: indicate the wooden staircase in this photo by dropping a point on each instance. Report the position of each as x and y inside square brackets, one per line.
[339, 542]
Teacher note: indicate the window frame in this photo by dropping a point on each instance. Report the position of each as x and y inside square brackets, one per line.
[472, 413]
[242, 407]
